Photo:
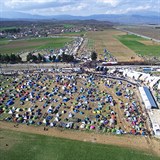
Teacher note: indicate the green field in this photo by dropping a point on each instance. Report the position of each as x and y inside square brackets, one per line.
[82, 33]
[133, 42]
[16, 46]
[8, 28]
[38, 147]
[67, 26]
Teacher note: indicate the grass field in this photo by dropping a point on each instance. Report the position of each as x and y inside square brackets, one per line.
[136, 44]
[4, 28]
[68, 26]
[106, 39]
[39, 147]
[73, 33]
[7, 46]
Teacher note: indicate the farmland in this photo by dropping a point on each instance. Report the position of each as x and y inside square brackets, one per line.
[39, 147]
[140, 45]
[7, 28]
[149, 31]
[15, 46]
[100, 40]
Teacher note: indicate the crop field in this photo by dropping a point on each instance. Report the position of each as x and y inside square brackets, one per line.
[16, 46]
[148, 31]
[15, 145]
[140, 45]
[107, 39]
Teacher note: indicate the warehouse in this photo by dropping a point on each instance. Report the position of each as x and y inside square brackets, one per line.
[147, 98]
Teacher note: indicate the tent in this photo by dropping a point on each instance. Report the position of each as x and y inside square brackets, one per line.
[118, 93]
[65, 99]
[10, 102]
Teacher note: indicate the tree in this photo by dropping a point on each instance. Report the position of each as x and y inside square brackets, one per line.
[44, 59]
[67, 58]
[19, 59]
[34, 58]
[6, 58]
[29, 56]
[59, 58]
[13, 58]
[54, 58]
[40, 57]
[50, 58]
[93, 55]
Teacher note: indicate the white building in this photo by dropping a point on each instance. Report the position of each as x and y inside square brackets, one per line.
[155, 120]
[147, 98]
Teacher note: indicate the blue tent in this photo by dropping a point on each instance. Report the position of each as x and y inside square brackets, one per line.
[10, 102]
[118, 93]
[65, 99]
[23, 98]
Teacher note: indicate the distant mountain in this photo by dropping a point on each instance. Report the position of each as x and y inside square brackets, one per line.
[131, 18]
[19, 15]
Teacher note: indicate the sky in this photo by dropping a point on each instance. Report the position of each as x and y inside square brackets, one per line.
[79, 7]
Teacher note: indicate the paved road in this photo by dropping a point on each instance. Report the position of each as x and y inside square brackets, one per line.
[62, 65]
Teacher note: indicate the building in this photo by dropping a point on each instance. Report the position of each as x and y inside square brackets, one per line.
[147, 98]
[155, 120]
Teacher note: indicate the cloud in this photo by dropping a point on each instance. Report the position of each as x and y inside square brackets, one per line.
[122, 11]
[61, 9]
[35, 4]
[79, 7]
[110, 2]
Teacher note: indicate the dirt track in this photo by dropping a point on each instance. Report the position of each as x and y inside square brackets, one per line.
[137, 142]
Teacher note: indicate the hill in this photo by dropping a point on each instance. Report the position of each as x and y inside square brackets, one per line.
[132, 18]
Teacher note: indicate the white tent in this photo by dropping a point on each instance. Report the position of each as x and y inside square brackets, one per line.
[10, 112]
[154, 82]
[144, 76]
[44, 121]
[137, 75]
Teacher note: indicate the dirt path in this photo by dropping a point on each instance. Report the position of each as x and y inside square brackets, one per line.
[135, 142]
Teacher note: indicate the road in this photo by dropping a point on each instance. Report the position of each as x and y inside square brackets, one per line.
[29, 66]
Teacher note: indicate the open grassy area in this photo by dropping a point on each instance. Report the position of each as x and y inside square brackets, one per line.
[8, 28]
[39, 147]
[16, 46]
[68, 26]
[73, 33]
[135, 43]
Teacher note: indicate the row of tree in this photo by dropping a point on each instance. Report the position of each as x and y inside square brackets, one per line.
[11, 58]
[11, 30]
[40, 58]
